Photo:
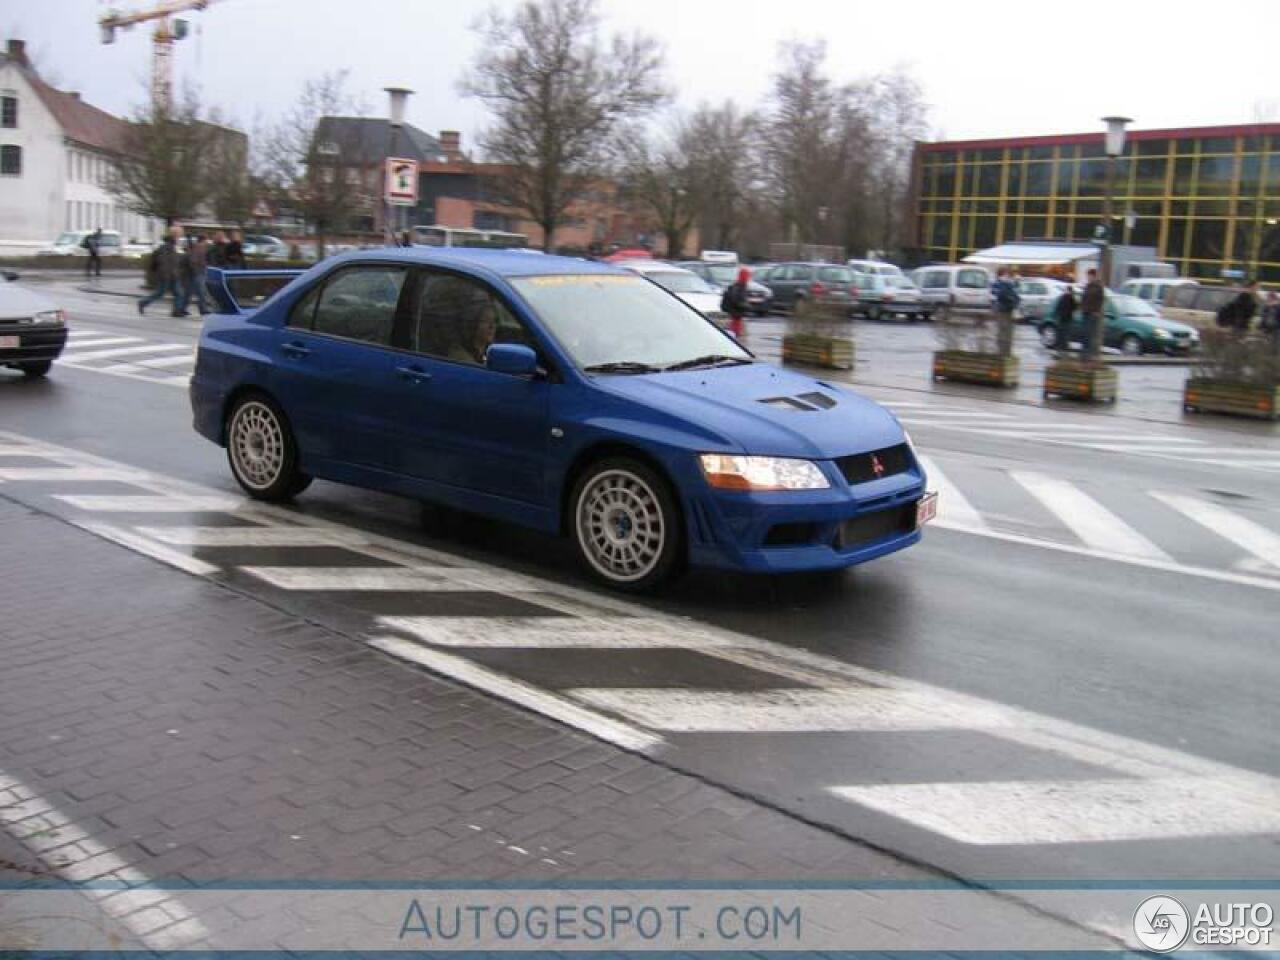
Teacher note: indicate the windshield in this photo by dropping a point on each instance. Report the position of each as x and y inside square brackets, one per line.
[607, 319]
[1133, 307]
[723, 273]
[67, 239]
[678, 281]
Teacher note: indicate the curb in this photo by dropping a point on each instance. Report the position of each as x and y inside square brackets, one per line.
[109, 292]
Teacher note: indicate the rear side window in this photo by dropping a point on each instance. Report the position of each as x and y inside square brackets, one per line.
[835, 275]
[360, 304]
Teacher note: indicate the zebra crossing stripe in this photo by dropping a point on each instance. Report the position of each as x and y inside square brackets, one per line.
[67, 474]
[1244, 533]
[954, 509]
[76, 344]
[152, 504]
[1093, 523]
[1076, 811]
[549, 633]
[167, 361]
[139, 544]
[350, 578]
[522, 694]
[856, 709]
[251, 536]
[80, 355]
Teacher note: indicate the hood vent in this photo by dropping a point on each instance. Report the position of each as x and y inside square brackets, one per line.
[807, 402]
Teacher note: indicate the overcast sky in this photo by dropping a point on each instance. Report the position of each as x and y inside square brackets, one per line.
[989, 68]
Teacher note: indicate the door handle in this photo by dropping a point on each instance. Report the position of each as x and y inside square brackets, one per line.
[295, 350]
[416, 374]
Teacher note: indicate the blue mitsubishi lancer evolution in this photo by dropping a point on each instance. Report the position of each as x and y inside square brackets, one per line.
[564, 395]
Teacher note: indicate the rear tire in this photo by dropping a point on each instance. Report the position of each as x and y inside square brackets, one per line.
[36, 369]
[1049, 335]
[625, 525]
[1131, 345]
[262, 451]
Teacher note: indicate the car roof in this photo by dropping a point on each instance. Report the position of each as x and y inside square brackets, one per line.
[504, 263]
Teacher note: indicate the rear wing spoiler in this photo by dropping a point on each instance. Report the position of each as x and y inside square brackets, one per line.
[243, 291]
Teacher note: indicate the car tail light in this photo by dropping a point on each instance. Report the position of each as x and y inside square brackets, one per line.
[817, 289]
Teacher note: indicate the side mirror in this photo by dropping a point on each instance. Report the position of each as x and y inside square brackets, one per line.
[512, 358]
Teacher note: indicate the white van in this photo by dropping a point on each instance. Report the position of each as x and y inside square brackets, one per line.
[877, 268]
[70, 244]
[955, 285]
[1154, 290]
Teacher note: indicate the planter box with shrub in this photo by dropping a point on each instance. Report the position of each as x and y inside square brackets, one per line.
[1092, 382]
[972, 366]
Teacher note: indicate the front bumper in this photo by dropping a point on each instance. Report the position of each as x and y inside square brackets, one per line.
[35, 342]
[804, 530]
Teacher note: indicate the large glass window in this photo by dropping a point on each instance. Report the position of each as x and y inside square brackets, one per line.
[8, 112]
[988, 180]
[1151, 148]
[1208, 239]
[1217, 176]
[11, 160]
[1039, 179]
[1149, 176]
[946, 179]
[1184, 171]
[604, 319]
[360, 304]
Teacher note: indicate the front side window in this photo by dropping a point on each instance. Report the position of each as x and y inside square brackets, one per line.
[457, 318]
[612, 320]
[360, 304]
[972, 280]
[9, 112]
[11, 160]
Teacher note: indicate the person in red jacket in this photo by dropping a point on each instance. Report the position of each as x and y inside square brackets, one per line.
[734, 302]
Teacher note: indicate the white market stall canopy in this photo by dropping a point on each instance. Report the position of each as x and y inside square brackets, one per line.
[1039, 254]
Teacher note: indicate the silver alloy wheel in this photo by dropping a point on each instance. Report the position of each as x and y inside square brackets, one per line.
[620, 526]
[1049, 335]
[256, 441]
[1131, 345]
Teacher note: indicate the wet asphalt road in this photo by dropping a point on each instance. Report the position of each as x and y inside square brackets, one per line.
[1168, 668]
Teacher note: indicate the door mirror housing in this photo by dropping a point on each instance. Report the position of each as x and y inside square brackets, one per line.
[512, 358]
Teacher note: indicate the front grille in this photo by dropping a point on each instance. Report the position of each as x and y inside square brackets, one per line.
[789, 534]
[861, 467]
[870, 527]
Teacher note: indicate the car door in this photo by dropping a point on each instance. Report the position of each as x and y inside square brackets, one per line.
[973, 288]
[335, 366]
[461, 423]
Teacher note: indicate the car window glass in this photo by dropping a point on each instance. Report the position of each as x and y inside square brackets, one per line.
[937, 278]
[457, 318]
[835, 275]
[360, 304]
[970, 279]
[304, 311]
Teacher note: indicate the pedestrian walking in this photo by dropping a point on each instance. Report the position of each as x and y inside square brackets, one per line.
[406, 239]
[734, 302]
[1092, 302]
[1238, 314]
[164, 264]
[233, 254]
[194, 272]
[1271, 313]
[218, 250]
[93, 243]
[1064, 314]
[1004, 293]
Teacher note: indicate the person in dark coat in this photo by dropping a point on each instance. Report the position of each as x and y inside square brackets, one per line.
[93, 243]
[1064, 312]
[218, 250]
[1092, 302]
[165, 265]
[1244, 308]
[234, 252]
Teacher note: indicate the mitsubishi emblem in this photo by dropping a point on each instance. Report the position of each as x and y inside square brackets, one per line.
[876, 466]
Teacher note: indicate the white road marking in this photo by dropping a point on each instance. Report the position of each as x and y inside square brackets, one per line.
[1076, 811]
[1187, 451]
[175, 503]
[870, 709]
[67, 474]
[22, 450]
[79, 356]
[549, 633]
[1087, 518]
[349, 578]
[150, 548]
[73, 344]
[951, 415]
[1243, 532]
[63, 846]
[519, 693]
[251, 536]
[158, 362]
[954, 509]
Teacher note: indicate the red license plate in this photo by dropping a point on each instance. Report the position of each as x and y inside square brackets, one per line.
[926, 509]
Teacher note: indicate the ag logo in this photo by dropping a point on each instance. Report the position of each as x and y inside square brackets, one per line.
[1161, 924]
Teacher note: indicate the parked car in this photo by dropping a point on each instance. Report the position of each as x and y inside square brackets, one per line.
[1132, 326]
[793, 283]
[1154, 290]
[964, 286]
[33, 329]
[718, 275]
[685, 284]
[563, 395]
[1197, 305]
[885, 295]
[70, 244]
[261, 245]
[876, 268]
[1038, 295]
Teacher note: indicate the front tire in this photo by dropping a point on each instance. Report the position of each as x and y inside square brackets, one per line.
[625, 525]
[262, 451]
[1131, 345]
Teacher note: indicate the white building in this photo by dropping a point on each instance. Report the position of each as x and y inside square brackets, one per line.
[55, 158]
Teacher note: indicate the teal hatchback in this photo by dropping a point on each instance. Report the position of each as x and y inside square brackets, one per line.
[1133, 326]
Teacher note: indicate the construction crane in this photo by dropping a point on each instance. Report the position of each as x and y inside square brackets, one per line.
[167, 31]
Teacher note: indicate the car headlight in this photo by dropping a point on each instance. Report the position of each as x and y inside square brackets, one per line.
[53, 318]
[1163, 334]
[728, 472]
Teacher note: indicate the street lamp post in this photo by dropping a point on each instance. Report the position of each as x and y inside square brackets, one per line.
[1114, 148]
[399, 96]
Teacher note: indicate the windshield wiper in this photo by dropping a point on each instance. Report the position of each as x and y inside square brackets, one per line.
[622, 366]
[710, 360]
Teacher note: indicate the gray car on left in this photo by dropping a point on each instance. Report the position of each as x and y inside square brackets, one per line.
[33, 329]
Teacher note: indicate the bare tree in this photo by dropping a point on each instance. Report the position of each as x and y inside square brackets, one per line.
[160, 169]
[719, 144]
[899, 119]
[658, 175]
[309, 161]
[558, 94]
[228, 188]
